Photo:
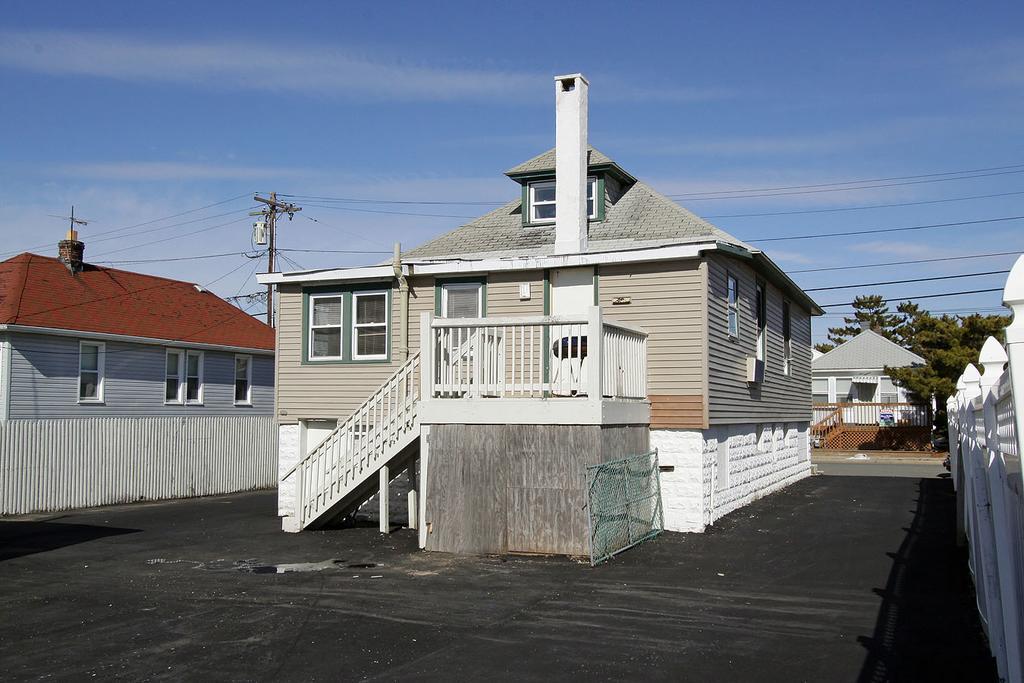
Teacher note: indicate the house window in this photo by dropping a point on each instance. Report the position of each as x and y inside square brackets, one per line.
[819, 390]
[370, 325]
[787, 340]
[844, 389]
[183, 377]
[761, 320]
[732, 302]
[172, 377]
[462, 300]
[325, 327]
[542, 200]
[243, 380]
[90, 372]
[888, 392]
[194, 377]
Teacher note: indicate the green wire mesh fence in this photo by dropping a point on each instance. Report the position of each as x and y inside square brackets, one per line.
[623, 504]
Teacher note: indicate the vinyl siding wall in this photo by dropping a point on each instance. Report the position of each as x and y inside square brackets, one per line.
[44, 381]
[731, 400]
[667, 299]
[332, 390]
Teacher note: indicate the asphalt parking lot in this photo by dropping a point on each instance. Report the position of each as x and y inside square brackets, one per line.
[833, 579]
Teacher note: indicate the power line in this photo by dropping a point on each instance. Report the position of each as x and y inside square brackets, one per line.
[341, 230]
[395, 213]
[881, 230]
[904, 263]
[923, 296]
[864, 207]
[175, 237]
[902, 282]
[859, 182]
[149, 222]
[334, 251]
[354, 200]
[178, 258]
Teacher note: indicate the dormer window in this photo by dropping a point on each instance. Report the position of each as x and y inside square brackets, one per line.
[542, 200]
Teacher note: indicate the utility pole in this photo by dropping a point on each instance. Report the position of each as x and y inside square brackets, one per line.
[270, 213]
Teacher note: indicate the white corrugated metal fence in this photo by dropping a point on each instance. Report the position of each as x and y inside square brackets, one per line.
[50, 465]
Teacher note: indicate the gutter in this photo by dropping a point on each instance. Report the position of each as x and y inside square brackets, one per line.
[403, 303]
[107, 336]
[460, 266]
[782, 280]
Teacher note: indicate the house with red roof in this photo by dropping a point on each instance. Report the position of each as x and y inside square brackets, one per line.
[159, 383]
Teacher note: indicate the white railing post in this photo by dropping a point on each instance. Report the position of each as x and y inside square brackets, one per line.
[595, 354]
[426, 356]
[992, 359]
[1013, 298]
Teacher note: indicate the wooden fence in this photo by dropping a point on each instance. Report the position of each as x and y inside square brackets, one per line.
[986, 425]
[48, 465]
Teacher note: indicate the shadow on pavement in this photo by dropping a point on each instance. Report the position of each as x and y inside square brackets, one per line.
[928, 626]
[27, 538]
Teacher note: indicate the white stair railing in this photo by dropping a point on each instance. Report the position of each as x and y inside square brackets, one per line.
[358, 447]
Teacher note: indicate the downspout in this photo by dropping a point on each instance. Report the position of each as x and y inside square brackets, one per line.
[403, 303]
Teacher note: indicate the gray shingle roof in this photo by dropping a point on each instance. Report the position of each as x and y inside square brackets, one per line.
[640, 218]
[867, 351]
[546, 162]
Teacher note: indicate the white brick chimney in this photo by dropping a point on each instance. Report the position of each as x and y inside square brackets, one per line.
[571, 164]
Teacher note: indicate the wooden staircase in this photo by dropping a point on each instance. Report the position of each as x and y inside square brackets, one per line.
[338, 474]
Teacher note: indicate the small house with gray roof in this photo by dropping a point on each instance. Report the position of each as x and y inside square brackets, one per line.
[856, 403]
[588, 319]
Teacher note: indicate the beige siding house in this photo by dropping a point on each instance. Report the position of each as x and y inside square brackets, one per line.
[582, 321]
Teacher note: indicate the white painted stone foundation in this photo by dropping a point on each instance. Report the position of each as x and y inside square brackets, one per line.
[718, 470]
[288, 439]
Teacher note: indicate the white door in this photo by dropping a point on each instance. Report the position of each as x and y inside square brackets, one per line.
[572, 293]
[572, 290]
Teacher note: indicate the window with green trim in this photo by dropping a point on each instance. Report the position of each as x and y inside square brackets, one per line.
[325, 326]
[370, 325]
[541, 196]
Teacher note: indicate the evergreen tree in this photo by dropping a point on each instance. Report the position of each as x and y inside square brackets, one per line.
[870, 311]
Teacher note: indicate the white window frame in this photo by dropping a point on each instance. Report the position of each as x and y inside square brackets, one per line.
[732, 308]
[181, 397]
[531, 195]
[248, 379]
[462, 285]
[787, 338]
[101, 352]
[340, 325]
[199, 377]
[761, 319]
[354, 325]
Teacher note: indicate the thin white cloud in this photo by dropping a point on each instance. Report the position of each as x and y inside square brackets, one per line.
[883, 133]
[999, 65]
[897, 249]
[153, 171]
[254, 65]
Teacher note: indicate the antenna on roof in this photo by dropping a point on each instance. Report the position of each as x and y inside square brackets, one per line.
[72, 231]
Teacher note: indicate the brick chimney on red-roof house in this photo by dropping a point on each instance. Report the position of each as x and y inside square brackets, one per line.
[71, 252]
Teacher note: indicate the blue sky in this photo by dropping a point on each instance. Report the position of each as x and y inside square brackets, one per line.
[138, 111]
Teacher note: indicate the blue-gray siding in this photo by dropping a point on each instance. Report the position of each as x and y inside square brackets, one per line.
[44, 381]
[779, 398]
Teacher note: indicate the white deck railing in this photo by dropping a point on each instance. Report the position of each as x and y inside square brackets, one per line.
[986, 425]
[534, 357]
[878, 414]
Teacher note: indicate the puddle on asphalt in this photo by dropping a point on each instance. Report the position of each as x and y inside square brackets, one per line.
[254, 566]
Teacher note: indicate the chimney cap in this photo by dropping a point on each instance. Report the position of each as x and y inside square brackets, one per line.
[572, 77]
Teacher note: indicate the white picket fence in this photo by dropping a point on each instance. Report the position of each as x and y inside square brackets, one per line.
[986, 424]
[48, 465]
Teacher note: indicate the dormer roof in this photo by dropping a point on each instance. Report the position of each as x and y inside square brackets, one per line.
[544, 164]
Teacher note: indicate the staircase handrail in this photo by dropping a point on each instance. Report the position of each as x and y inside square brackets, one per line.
[413, 358]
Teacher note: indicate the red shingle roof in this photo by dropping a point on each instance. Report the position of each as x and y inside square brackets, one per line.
[39, 291]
